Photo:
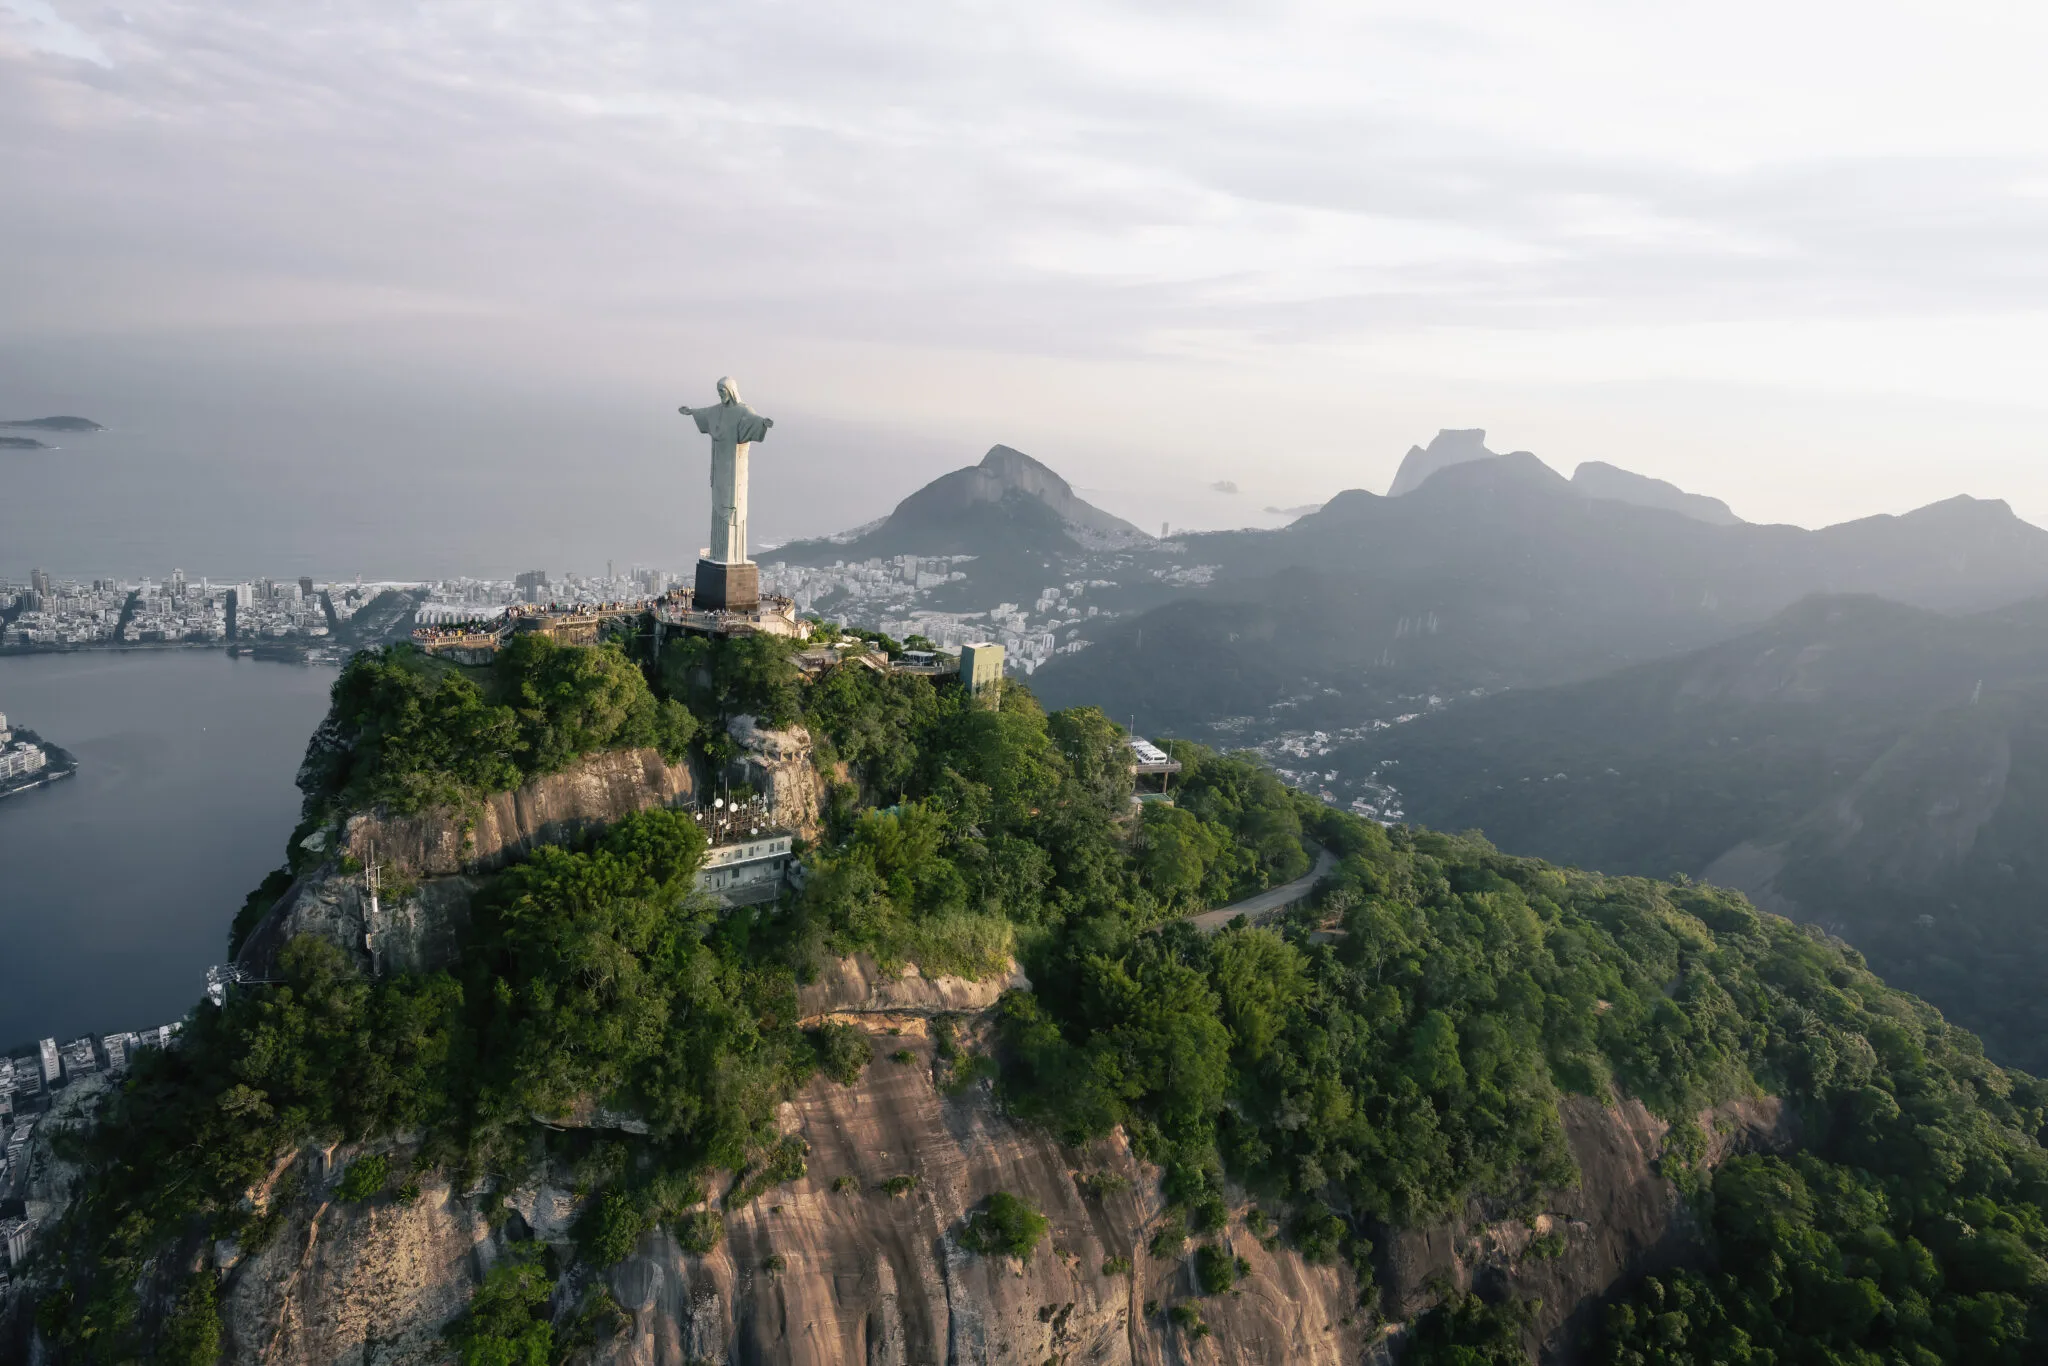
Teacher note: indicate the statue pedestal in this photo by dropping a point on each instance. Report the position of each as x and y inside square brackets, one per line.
[728, 587]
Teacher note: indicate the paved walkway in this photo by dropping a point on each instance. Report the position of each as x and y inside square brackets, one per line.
[1272, 899]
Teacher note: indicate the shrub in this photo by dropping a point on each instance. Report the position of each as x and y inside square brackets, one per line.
[506, 1323]
[1100, 1184]
[784, 1163]
[966, 1069]
[611, 1227]
[900, 1186]
[843, 1050]
[1318, 1234]
[364, 1178]
[844, 1183]
[1171, 1237]
[192, 1332]
[1116, 1266]
[1216, 1271]
[903, 1055]
[1004, 1224]
[1189, 1319]
[700, 1231]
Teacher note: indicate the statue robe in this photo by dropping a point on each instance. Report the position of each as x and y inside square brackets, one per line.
[732, 427]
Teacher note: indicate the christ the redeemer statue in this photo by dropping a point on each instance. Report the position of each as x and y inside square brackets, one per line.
[725, 576]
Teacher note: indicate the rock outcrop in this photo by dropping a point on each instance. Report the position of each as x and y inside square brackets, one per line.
[858, 986]
[591, 793]
[434, 860]
[1624, 1220]
[829, 1268]
[778, 764]
[1451, 446]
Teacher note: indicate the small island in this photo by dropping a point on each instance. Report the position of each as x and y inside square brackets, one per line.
[54, 424]
[23, 443]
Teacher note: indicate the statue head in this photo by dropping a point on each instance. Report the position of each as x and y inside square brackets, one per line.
[728, 390]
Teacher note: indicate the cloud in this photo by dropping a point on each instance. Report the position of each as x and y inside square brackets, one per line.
[37, 24]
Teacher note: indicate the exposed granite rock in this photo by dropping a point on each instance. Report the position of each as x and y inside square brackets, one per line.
[778, 764]
[864, 1276]
[434, 860]
[358, 1283]
[593, 792]
[858, 985]
[1623, 1221]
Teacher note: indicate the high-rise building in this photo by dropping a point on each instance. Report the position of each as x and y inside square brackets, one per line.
[80, 1057]
[981, 666]
[305, 585]
[39, 582]
[177, 583]
[52, 1066]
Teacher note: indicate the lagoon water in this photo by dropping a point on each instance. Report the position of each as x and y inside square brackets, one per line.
[117, 886]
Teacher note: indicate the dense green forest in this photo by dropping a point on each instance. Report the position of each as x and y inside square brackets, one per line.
[1876, 768]
[1366, 1062]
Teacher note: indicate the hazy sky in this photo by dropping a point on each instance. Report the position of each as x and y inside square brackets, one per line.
[1788, 254]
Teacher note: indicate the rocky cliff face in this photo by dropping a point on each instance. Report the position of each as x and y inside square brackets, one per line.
[593, 792]
[835, 1268]
[434, 860]
[778, 764]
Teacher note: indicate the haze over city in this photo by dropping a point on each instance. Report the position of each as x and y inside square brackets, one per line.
[394, 263]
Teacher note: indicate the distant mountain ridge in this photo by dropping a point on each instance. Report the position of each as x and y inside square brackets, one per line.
[1594, 478]
[1498, 572]
[1598, 479]
[1451, 446]
[1009, 504]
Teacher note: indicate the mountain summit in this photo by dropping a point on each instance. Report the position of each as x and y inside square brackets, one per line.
[1002, 473]
[1009, 503]
[1598, 479]
[1451, 446]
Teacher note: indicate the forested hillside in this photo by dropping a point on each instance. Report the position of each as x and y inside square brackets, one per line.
[1369, 1062]
[1872, 767]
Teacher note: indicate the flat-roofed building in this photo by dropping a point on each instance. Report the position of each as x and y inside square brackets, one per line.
[80, 1059]
[746, 871]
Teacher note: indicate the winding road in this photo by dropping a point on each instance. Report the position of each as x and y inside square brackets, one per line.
[1272, 899]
